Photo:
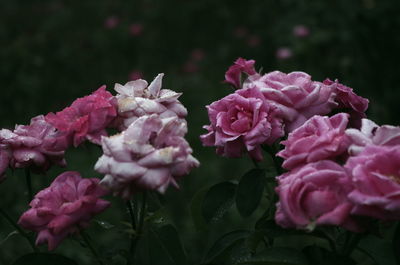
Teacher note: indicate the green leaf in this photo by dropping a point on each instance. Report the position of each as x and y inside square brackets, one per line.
[170, 242]
[249, 191]
[43, 259]
[396, 243]
[104, 224]
[318, 255]
[277, 256]
[223, 244]
[196, 209]
[380, 249]
[218, 200]
[15, 232]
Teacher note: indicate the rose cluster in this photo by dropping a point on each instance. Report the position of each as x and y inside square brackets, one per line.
[148, 153]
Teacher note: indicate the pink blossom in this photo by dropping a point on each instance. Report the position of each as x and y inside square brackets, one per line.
[37, 146]
[137, 98]
[63, 208]
[135, 74]
[372, 134]
[234, 73]
[301, 31]
[111, 22]
[376, 177]
[136, 29]
[347, 99]
[242, 122]
[295, 94]
[315, 194]
[284, 53]
[317, 139]
[86, 118]
[150, 154]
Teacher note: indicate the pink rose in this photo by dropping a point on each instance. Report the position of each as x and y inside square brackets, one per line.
[295, 94]
[86, 118]
[301, 31]
[137, 98]
[37, 146]
[315, 194]
[234, 73]
[150, 154]
[317, 139]
[372, 134]
[63, 208]
[347, 99]
[376, 178]
[242, 122]
[284, 53]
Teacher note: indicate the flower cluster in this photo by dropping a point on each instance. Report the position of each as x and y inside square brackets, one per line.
[151, 152]
[63, 208]
[337, 174]
[265, 107]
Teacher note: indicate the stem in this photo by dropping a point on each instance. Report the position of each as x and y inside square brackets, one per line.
[19, 229]
[140, 214]
[92, 249]
[132, 247]
[29, 184]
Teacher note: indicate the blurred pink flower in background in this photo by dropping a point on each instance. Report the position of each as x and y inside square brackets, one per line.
[111, 22]
[64, 208]
[315, 194]
[150, 154]
[301, 31]
[136, 29]
[37, 146]
[197, 54]
[319, 138]
[283, 53]
[241, 122]
[254, 41]
[240, 32]
[135, 74]
[376, 177]
[138, 98]
[190, 67]
[86, 118]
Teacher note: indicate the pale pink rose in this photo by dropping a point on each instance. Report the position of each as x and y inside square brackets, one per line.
[234, 73]
[241, 122]
[87, 117]
[376, 178]
[313, 195]
[150, 154]
[347, 99]
[64, 208]
[111, 22]
[319, 138]
[137, 98]
[295, 94]
[283, 53]
[136, 29]
[36, 146]
[372, 134]
[301, 31]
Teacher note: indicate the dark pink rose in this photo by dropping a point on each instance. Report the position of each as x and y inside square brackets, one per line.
[376, 178]
[111, 22]
[319, 138]
[234, 73]
[315, 194]
[295, 94]
[242, 122]
[64, 208]
[37, 146]
[372, 134]
[87, 117]
[136, 29]
[347, 99]
[150, 154]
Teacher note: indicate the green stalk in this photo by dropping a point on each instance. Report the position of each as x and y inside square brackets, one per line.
[92, 249]
[19, 229]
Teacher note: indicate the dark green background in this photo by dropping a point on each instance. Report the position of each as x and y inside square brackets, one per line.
[52, 52]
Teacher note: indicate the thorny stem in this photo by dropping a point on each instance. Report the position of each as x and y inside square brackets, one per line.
[92, 249]
[19, 229]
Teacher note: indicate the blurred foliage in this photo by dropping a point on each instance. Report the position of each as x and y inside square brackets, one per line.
[55, 51]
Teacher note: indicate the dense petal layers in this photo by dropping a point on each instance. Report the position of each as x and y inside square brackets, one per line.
[63, 208]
